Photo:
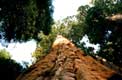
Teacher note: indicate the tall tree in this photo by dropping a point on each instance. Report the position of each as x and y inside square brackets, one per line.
[23, 19]
[62, 27]
[67, 27]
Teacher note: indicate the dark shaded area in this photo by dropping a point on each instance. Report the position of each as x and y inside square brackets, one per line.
[115, 77]
[9, 69]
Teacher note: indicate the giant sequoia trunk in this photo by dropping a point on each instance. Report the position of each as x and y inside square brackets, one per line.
[67, 62]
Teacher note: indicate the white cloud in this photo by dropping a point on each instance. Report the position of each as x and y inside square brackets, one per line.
[22, 52]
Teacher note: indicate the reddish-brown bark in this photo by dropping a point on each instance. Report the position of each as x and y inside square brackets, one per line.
[67, 62]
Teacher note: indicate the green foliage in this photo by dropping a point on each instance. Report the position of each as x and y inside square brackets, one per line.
[4, 54]
[24, 19]
[101, 30]
[66, 27]
[9, 69]
[44, 46]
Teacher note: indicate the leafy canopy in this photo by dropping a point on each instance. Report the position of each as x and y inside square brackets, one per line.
[67, 27]
[22, 20]
[102, 29]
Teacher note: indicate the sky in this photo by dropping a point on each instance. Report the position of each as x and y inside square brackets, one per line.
[62, 8]
[21, 52]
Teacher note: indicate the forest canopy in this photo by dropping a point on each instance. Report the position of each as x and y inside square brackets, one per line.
[22, 20]
[104, 23]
